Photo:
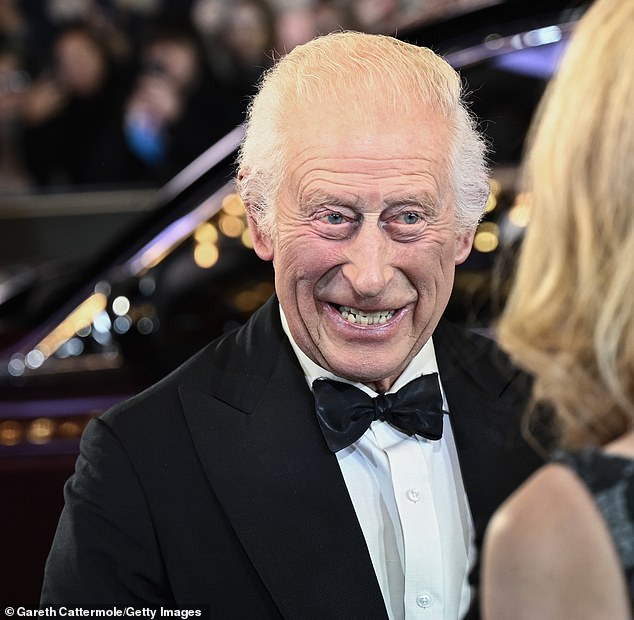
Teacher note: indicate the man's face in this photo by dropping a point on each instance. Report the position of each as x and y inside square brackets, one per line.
[365, 249]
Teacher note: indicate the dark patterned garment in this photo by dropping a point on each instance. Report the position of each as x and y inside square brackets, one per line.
[610, 480]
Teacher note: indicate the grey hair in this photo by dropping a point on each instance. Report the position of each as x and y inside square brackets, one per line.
[377, 69]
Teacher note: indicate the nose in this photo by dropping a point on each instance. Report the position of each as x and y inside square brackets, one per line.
[368, 266]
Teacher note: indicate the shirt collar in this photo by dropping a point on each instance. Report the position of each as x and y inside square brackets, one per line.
[423, 363]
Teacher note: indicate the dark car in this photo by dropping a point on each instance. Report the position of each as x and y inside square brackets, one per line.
[185, 273]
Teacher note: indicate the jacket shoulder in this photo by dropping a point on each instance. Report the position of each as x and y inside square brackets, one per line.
[221, 368]
[476, 354]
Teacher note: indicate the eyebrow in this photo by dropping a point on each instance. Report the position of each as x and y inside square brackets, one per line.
[319, 198]
[425, 201]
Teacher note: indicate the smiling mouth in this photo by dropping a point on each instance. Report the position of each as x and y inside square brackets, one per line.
[353, 315]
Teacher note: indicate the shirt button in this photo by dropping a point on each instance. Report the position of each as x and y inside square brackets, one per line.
[414, 495]
[424, 600]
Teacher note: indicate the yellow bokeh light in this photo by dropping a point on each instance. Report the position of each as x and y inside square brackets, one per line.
[520, 213]
[492, 202]
[247, 242]
[494, 191]
[79, 318]
[487, 238]
[206, 233]
[206, 255]
[70, 429]
[40, 431]
[231, 226]
[232, 204]
[247, 301]
[10, 433]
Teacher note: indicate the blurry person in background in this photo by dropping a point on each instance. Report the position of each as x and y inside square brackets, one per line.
[301, 22]
[339, 455]
[169, 73]
[377, 15]
[295, 26]
[208, 17]
[69, 110]
[332, 16]
[176, 108]
[239, 38]
[14, 82]
[249, 39]
[14, 28]
[563, 545]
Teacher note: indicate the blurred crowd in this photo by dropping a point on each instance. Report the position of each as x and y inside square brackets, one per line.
[106, 93]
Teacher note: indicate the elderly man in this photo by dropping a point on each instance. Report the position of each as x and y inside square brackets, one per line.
[340, 455]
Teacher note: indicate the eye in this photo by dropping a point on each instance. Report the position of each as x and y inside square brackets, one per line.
[409, 217]
[334, 222]
[406, 224]
[335, 218]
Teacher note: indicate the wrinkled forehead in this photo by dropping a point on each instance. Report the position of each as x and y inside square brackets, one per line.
[370, 127]
[372, 99]
[363, 151]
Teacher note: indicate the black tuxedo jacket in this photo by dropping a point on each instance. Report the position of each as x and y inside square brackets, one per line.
[215, 487]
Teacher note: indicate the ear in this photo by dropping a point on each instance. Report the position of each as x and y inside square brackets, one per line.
[464, 242]
[262, 243]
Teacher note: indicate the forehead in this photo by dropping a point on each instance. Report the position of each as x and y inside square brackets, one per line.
[361, 152]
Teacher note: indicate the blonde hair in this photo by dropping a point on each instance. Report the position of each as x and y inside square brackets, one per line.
[570, 317]
[360, 70]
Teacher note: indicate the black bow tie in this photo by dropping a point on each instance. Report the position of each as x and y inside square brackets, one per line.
[345, 412]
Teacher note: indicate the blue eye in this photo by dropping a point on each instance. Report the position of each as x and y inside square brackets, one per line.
[335, 218]
[411, 218]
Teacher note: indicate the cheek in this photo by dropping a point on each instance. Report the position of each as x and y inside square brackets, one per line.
[306, 256]
[431, 268]
[426, 257]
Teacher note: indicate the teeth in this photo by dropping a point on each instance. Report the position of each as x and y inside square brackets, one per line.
[352, 315]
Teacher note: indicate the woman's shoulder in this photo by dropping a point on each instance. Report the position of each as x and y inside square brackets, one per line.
[550, 509]
[549, 552]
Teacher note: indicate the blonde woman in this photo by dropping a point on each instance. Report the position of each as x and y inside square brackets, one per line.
[563, 545]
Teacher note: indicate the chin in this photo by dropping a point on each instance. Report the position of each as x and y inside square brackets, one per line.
[355, 371]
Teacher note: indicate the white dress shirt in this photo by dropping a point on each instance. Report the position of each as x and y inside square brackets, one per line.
[409, 498]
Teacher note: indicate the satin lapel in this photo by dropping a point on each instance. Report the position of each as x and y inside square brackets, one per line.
[280, 487]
